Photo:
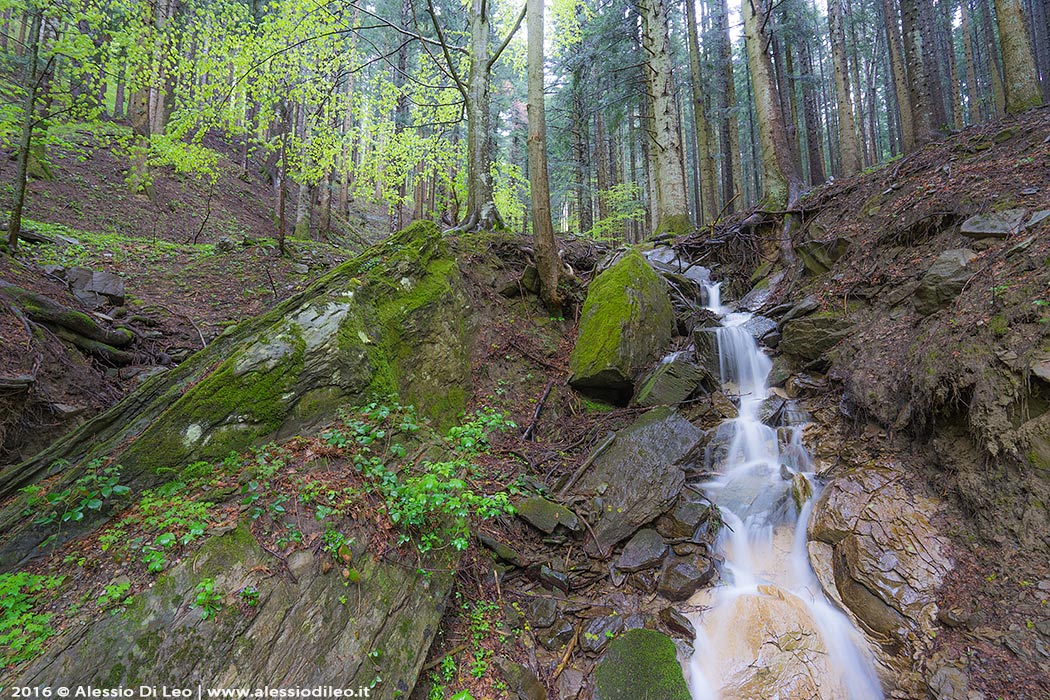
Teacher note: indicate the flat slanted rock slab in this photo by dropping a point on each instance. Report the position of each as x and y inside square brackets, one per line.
[994, 225]
[809, 337]
[638, 476]
[546, 515]
[643, 551]
[670, 383]
[626, 323]
[640, 664]
[943, 281]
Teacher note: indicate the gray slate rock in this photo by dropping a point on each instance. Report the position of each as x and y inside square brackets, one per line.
[681, 577]
[599, 632]
[521, 681]
[643, 551]
[547, 515]
[95, 288]
[670, 383]
[994, 225]
[943, 281]
[819, 256]
[809, 337]
[637, 477]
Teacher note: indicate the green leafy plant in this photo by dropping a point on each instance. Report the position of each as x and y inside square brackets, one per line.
[208, 599]
[249, 595]
[23, 630]
[88, 493]
[114, 594]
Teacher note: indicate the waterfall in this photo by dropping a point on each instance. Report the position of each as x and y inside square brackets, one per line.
[768, 632]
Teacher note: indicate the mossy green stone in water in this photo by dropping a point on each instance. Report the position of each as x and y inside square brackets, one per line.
[627, 322]
[640, 664]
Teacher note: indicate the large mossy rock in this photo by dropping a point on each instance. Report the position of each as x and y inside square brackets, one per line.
[640, 664]
[943, 281]
[627, 322]
[307, 628]
[389, 321]
[638, 476]
[811, 336]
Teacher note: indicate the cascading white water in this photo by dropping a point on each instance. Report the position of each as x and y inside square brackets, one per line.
[769, 632]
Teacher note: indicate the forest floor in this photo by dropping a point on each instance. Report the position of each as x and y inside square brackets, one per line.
[195, 258]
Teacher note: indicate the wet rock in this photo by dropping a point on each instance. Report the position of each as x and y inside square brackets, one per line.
[758, 327]
[670, 383]
[666, 260]
[705, 340]
[541, 610]
[780, 372]
[599, 632]
[626, 323]
[554, 579]
[805, 385]
[643, 551]
[771, 648]
[809, 337]
[677, 623]
[522, 682]
[725, 407]
[682, 521]
[638, 476]
[953, 617]
[547, 515]
[819, 256]
[569, 684]
[681, 577]
[770, 410]
[1038, 218]
[943, 281]
[640, 664]
[995, 225]
[557, 635]
[888, 560]
[801, 490]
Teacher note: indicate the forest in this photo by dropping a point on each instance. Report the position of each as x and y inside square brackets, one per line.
[525, 349]
[658, 115]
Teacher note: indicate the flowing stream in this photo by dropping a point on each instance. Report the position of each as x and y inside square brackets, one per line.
[768, 632]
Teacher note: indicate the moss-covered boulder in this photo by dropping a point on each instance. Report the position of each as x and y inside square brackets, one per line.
[640, 664]
[811, 336]
[627, 322]
[389, 321]
[304, 627]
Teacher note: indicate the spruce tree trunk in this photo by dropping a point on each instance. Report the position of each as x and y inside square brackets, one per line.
[1020, 79]
[900, 78]
[917, 72]
[814, 140]
[848, 146]
[972, 95]
[995, 68]
[781, 183]
[548, 264]
[732, 165]
[672, 203]
[581, 154]
[707, 209]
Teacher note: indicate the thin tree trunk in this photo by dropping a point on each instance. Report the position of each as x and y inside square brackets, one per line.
[972, 95]
[548, 264]
[732, 171]
[812, 118]
[25, 141]
[995, 68]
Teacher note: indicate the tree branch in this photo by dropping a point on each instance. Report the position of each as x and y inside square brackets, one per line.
[506, 41]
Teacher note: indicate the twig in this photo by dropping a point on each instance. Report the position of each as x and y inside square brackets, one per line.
[589, 461]
[568, 651]
[176, 313]
[437, 662]
[530, 433]
[532, 357]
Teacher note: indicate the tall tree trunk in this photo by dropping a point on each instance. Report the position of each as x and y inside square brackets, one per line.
[601, 166]
[900, 77]
[672, 204]
[1020, 79]
[972, 95]
[995, 68]
[811, 116]
[732, 171]
[304, 202]
[163, 81]
[1039, 27]
[548, 264]
[848, 146]
[706, 209]
[781, 183]
[25, 141]
[917, 72]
